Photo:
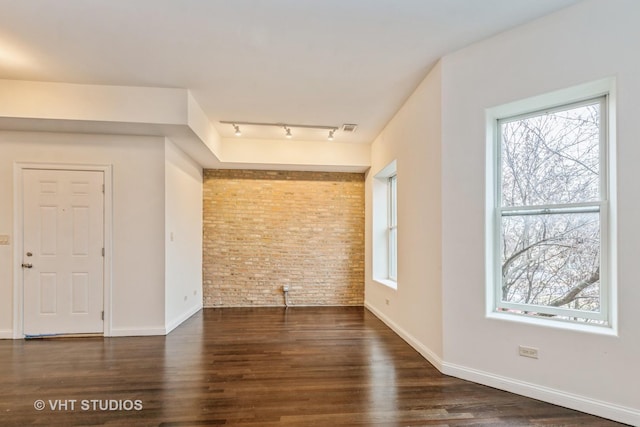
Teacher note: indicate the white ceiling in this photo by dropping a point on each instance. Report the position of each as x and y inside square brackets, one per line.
[324, 62]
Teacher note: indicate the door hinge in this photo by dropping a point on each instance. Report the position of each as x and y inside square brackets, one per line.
[103, 315]
[102, 188]
[102, 251]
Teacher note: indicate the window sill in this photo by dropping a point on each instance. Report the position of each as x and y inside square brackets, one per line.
[388, 283]
[556, 324]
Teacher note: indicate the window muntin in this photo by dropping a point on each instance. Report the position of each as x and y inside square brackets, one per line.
[392, 189]
[551, 212]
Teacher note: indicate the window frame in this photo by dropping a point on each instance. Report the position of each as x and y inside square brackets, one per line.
[380, 226]
[392, 227]
[601, 206]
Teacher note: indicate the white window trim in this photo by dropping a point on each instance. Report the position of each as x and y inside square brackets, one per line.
[562, 99]
[392, 227]
[381, 207]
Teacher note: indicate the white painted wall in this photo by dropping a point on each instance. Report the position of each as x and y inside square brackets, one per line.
[413, 139]
[174, 113]
[183, 236]
[288, 154]
[138, 218]
[68, 101]
[587, 42]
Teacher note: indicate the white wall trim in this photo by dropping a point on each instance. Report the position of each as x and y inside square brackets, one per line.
[137, 332]
[380, 212]
[182, 318]
[545, 394]
[18, 279]
[18, 229]
[433, 358]
[6, 334]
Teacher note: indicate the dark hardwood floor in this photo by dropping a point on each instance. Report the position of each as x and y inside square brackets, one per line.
[254, 367]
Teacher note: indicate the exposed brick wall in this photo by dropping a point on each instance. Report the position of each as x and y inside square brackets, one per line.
[266, 229]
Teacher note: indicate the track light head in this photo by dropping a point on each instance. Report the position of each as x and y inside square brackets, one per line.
[288, 130]
[330, 137]
[237, 130]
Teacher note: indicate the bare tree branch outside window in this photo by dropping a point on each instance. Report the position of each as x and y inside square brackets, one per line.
[550, 210]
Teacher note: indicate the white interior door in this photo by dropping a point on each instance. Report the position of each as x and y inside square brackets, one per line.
[63, 262]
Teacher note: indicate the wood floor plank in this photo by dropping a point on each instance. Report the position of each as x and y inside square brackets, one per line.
[254, 367]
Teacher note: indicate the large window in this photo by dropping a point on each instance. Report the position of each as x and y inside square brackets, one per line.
[551, 213]
[385, 226]
[392, 232]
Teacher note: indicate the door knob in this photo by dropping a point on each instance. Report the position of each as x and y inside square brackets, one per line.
[27, 265]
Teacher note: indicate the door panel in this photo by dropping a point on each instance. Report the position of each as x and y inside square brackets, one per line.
[63, 240]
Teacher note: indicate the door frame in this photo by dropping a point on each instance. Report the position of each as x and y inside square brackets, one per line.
[18, 233]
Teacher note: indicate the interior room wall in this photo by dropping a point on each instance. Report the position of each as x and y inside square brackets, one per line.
[265, 229]
[138, 218]
[183, 236]
[239, 153]
[413, 139]
[593, 372]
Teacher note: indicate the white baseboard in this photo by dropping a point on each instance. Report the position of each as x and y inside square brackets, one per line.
[433, 358]
[180, 319]
[136, 332]
[557, 397]
[6, 334]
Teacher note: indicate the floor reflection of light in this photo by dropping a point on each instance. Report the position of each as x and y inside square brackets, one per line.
[383, 393]
[185, 359]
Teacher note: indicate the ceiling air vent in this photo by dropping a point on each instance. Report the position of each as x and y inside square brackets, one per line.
[347, 127]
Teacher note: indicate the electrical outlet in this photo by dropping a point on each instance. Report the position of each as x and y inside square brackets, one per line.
[528, 352]
[387, 301]
[285, 288]
[4, 239]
